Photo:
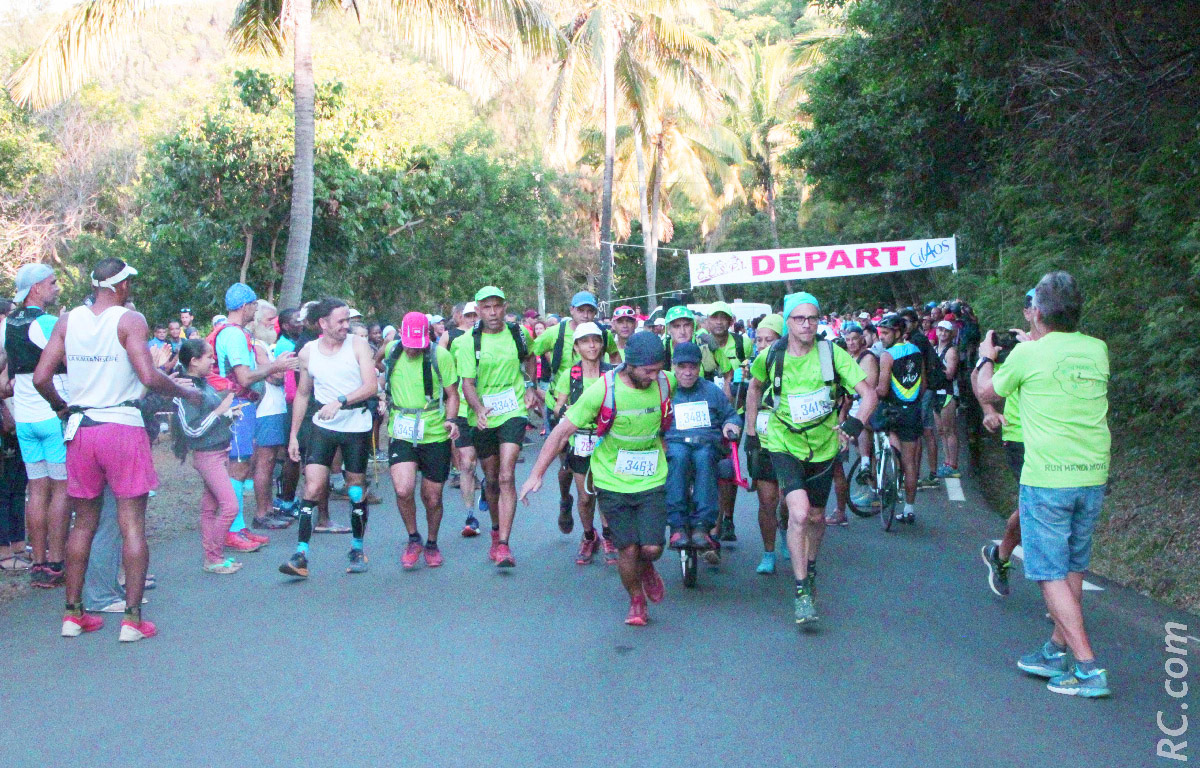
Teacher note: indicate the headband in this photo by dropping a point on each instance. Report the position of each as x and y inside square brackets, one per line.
[126, 271]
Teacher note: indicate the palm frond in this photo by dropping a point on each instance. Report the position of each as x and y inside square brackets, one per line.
[86, 40]
[258, 25]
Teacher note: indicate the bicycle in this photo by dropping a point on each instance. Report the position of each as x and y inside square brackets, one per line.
[887, 473]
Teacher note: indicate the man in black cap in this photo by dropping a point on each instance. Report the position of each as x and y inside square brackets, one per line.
[631, 407]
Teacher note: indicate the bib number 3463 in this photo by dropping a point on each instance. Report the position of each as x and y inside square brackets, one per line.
[637, 463]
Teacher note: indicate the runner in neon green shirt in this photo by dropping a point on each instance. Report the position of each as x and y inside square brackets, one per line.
[629, 467]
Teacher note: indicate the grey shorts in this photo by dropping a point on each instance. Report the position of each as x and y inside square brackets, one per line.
[635, 518]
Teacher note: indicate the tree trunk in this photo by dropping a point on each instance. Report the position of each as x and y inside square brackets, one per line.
[649, 251]
[655, 223]
[541, 273]
[274, 266]
[295, 263]
[769, 182]
[610, 151]
[249, 235]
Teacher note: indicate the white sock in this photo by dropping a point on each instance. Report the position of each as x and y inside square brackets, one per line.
[908, 509]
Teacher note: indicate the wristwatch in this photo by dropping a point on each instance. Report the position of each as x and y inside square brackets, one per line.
[342, 400]
[983, 360]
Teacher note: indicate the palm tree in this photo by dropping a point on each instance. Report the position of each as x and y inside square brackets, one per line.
[476, 41]
[619, 43]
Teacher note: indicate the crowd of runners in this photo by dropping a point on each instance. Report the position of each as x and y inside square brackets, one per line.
[653, 423]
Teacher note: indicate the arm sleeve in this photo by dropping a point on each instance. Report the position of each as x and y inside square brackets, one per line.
[587, 407]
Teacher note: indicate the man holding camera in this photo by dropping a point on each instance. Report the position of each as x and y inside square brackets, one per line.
[1061, 383]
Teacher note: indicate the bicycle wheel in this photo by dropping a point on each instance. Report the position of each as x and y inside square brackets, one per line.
[888, 489]
[688, 562]
[862, 495]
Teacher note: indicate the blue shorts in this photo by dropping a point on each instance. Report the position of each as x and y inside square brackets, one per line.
[1056, 529]
[241, 445]
[41, 444]
[271, 431]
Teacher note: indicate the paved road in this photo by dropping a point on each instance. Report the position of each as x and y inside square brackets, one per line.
[912, 664]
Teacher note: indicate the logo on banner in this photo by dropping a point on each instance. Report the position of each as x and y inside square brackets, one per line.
[930, 252]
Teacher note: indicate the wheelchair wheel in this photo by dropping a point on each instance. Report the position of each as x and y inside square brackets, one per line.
[688, 560]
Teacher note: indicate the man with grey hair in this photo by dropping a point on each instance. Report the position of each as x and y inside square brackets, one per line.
[1061, 382]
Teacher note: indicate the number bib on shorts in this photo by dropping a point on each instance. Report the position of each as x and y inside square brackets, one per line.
[585, 445]
[761, 421]
[692, 416]
[73, 422]
[408, 428]
[637, 463]
[501, 402]
[810, 407]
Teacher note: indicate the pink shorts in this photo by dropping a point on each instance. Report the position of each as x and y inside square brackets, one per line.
[116, 455]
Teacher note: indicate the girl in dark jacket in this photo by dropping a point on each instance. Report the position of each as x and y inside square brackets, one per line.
[205, 430]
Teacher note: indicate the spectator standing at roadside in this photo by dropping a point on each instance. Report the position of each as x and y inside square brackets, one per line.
[1061, 383]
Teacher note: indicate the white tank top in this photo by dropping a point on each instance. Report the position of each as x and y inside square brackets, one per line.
[99, 375]
[334, 375]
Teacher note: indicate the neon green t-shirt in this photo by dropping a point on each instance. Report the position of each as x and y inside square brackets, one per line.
[544, 345]
[1062, 382]
[630, 458]
[1011, 431]
[499, 379]
[406, 389]
[805, 400]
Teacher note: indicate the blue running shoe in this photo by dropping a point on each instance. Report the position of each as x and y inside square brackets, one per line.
[1046, 661]
[483, 505]
[1092, 685]
[767, 564]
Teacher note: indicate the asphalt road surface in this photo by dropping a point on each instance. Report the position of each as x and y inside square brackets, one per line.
[913, 663]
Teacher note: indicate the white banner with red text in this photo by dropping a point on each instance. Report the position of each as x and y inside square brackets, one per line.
[821, 261]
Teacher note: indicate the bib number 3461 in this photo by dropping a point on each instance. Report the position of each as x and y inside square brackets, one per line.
[637, 463]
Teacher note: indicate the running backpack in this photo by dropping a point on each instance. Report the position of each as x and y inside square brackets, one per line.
[829, 374]
[608, 406]
[577, 380]
[429, 369]
[224, 383]
[518, 339]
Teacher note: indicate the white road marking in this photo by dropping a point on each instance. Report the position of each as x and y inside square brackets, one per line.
[954, 489]
[1019, 553]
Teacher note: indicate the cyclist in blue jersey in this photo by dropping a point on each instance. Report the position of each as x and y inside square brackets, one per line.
[902, 376]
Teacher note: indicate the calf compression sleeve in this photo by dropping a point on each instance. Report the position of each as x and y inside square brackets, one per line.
[239, 488]
[306, 524]
[358, 516]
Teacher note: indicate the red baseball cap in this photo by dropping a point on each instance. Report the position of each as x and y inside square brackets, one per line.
[414, 331]
[624, 311]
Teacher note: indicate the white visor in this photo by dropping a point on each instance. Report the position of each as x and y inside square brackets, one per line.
[126, 272]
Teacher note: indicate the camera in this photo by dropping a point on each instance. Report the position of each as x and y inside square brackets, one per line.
[1005, 342]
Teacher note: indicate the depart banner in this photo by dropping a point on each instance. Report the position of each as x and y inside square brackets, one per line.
[821, 261]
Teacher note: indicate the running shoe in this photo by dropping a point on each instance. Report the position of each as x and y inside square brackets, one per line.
[358, 561]
[228, 566]
[699, 539]
[587, 549]
[929, 481]
[483, 505]
[52, 577]
[610, 551]
[679, 539]
[257, 538]
[637, 612]
[806, 607]
[997, 569]
[495, 546]
[767, 564]
[652, 584]
[74, 626]
[297, 565]
[948, 471]
[727, 531]
[504, 557]
[712, 556]
[412, 553]
[566, 521]
[433, 556]
[269, 523]
[470, 527]
[1046, 661]
[132, 631]
[1090, 685]
[240, 544]
[38, 576]
[840, 520]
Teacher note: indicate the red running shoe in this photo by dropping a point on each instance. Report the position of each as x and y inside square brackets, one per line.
[495, 545]
[412, 553]
[235, 542]
[504, 557]
[257, 538]
[132, 631]
[587, 549]
[652, 584]
[637, 612]
[610, 552]
[433, 557]
[74, 626]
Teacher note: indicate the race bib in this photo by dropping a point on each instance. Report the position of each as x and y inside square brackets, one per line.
[72, 426]
[810, 407]
[408, 428]
[501, 402]
[761, 421]
[585, 445]
[692, 416]
[637, 463]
